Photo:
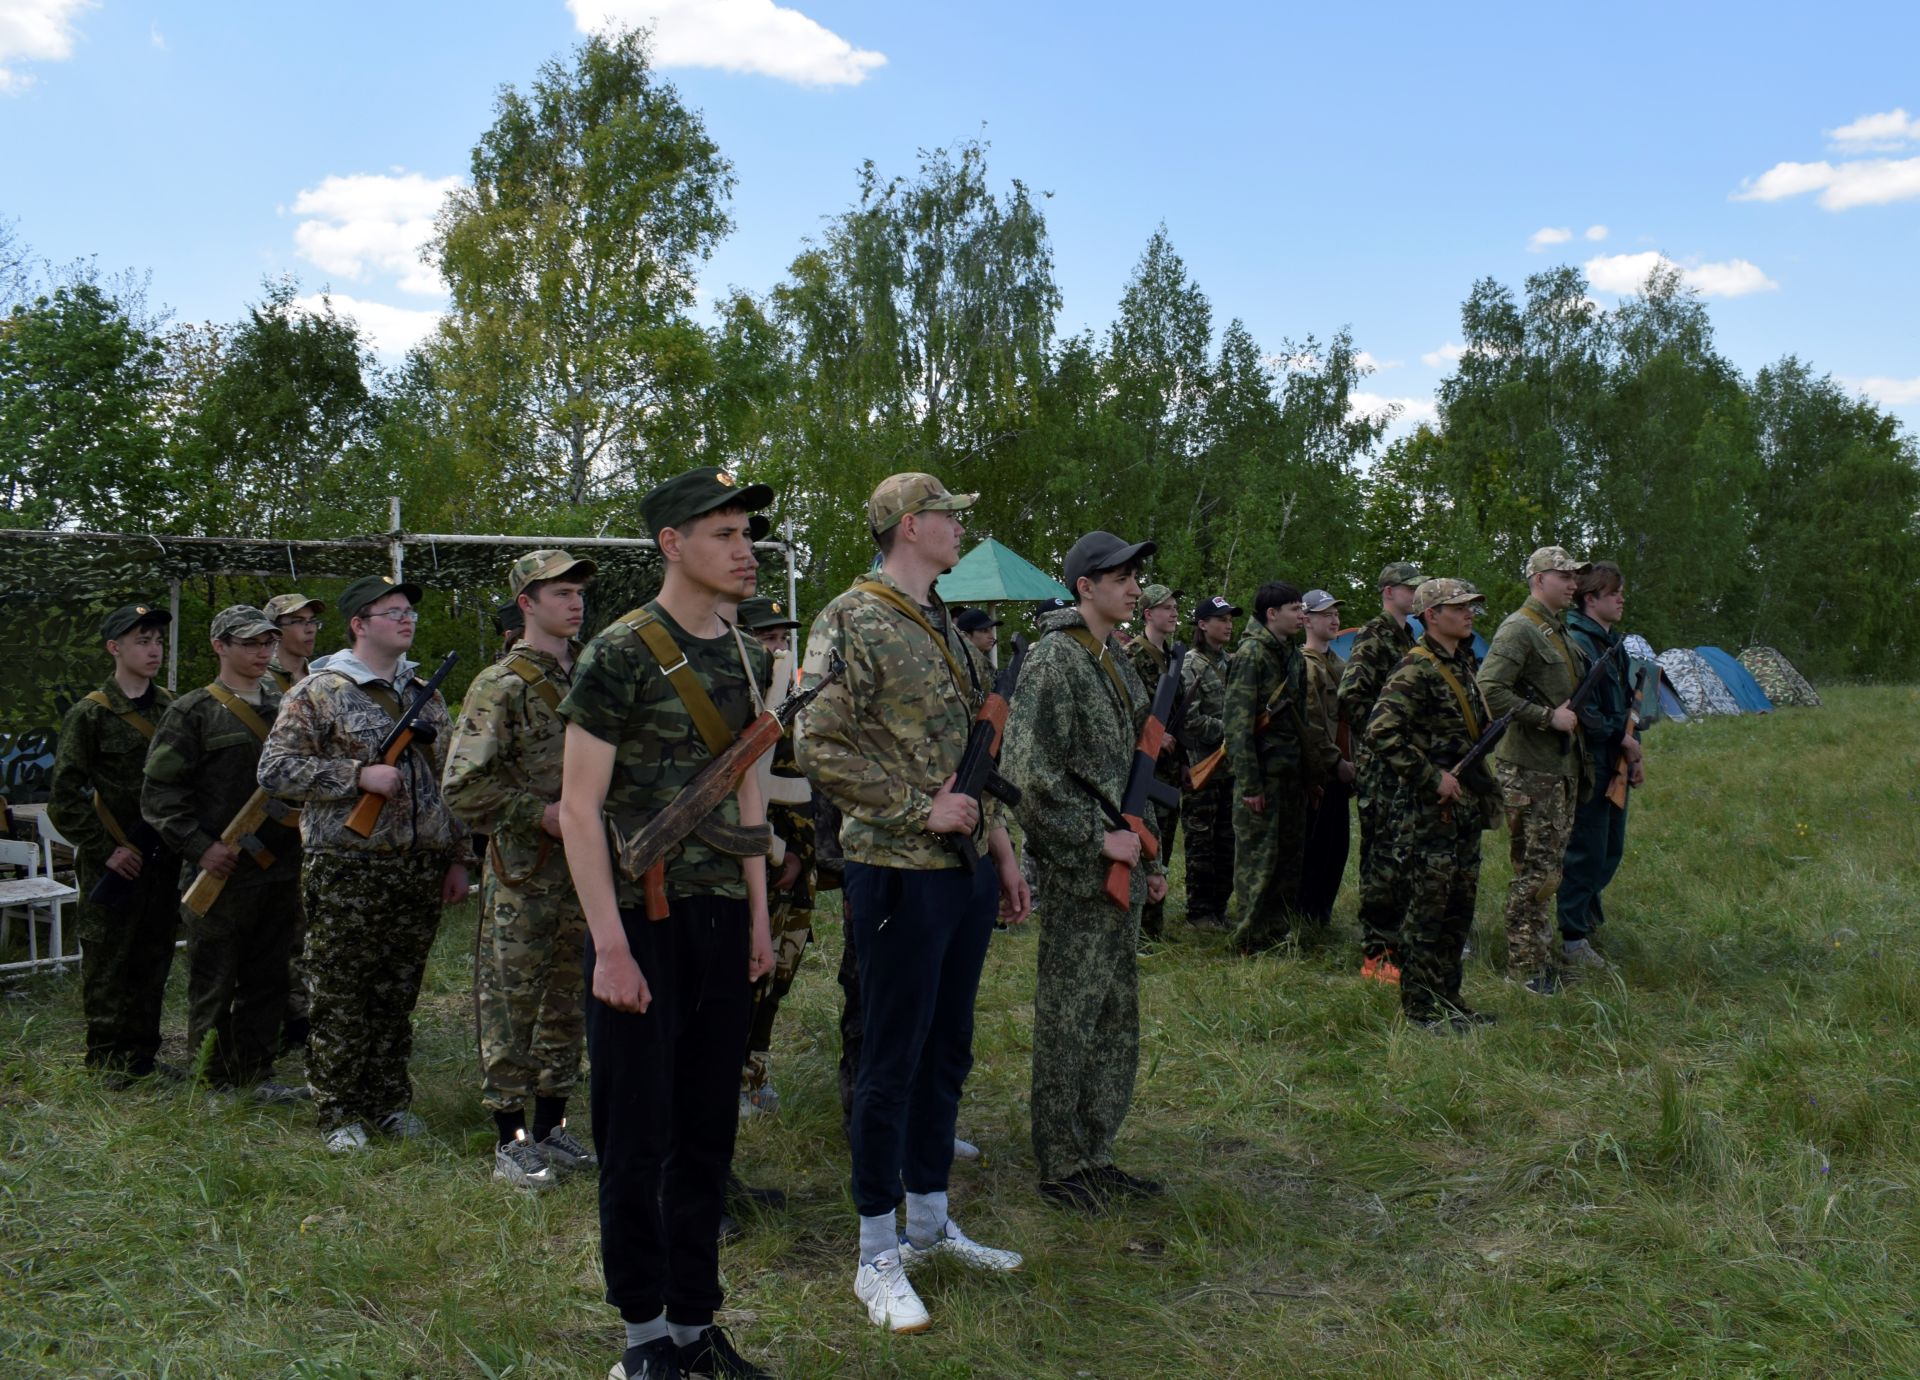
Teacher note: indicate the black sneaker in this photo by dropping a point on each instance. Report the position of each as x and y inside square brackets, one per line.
[1122, 1184]
[713, 1354]
[1079, 1191]
[730, 1228]
[1544, 984]
[768, 1199]
[658, 1359]
[1432, 1022]
[1467, 1018]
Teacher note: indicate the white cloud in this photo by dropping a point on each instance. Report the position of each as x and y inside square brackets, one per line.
[736, 36]
[1888, 392]
[372, 224]
[1365, 359]
[1863, 182]
[390, 330]
[1403, 411]
[36, 31]
[1596, 232]
[1628, 273]
[1546, 235]
[1445, 355]
[1871, 133]
[156, 38]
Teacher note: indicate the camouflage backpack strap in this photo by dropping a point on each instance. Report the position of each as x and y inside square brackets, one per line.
[132, 716]
[1453, 684]
[673, 665]
[1103, 657]
[1547, 630]
[240, 710]
[887, 594]
[523, 666]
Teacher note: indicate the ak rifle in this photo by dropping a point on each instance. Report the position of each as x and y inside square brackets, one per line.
[1497, 730]
[1144, 786]
[242, 835]
[406, 730]
[1617, 788]
[979, 770]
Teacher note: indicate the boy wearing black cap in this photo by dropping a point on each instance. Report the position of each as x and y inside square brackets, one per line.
[978, 625]
[95, 804]
[656, 695]
[1207, 810]
[1328, 835]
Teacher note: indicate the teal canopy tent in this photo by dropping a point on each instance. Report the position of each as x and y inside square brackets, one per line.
[994, 574]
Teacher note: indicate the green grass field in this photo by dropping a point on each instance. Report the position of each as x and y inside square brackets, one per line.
[1707, 1167]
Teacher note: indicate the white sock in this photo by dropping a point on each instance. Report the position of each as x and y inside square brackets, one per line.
[926, 1217]
[639, 1334]
[685, 1334]
[878, 1235]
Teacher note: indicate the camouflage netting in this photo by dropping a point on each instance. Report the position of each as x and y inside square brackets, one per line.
[1783, 684]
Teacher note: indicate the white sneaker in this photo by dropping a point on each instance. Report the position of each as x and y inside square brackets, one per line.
[962, 1248]
[881, 1284]
[521, 1164]
[965, 1149]
[346, 1140]
[402, 1125]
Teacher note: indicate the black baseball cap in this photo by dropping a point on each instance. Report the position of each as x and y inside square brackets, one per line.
[1216, 607]
[368, 588]
[1098, 551]
[974, 620]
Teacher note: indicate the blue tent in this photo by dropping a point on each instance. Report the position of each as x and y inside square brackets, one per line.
[1745, 689]
[1343, 644]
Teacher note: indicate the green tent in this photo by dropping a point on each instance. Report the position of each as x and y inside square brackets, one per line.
[994, 574]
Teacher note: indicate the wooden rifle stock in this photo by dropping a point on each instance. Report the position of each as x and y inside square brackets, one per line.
[206, 888]
[365, 817]
[1198, 778]
[1617, 788]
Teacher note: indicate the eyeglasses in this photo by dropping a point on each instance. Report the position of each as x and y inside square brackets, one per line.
[253, 643]
[397, 615]
[300, 623]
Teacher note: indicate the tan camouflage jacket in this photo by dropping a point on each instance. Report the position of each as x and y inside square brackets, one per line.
[1323, 709]
[1531, 666]
[329, 728]
[883, 739]
[1203, 685]
[503, 767]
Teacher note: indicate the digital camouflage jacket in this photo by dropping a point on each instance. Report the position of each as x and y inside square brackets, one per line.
[1531, 667]
[202, 768]
[1150, 663]
[1203, 687]
[1268, 676]
[1419, 730]
[1377, 648]
[503, 768]
[100, 751]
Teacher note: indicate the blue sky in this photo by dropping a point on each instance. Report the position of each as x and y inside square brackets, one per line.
[1316, 167]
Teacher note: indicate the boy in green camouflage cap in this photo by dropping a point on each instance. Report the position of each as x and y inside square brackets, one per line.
[1151, 653]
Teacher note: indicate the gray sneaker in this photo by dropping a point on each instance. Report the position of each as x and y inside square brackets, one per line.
[521, 1164]
[347, 1140]
[274, 1093]
[1580, 953]
[401, 1125]
[563, 1150]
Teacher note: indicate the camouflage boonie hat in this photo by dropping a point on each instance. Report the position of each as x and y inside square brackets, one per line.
[241, 621]
[368, 588]
[1319, 601]
[1400, 573]
[1443, 591]
[686, 496]
[546, 565]
[130, 616]
[1153, 596]
[1553, 558]
[286, 605]
[901, 494]
[763, 614]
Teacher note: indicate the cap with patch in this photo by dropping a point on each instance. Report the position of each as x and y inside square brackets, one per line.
[974, 620]
[1098, 551]
[1553, 558]
[546, 565]
[686, 496]
[241, 621]
[1153, 596]
[1443, 591]
[763, 614]
[1053, 605]
[509, 617]
[1319, 601]
[368, 588]
[131, 616]
[1216, 607]
[286, 605]
[901, 494]
[1400, 573]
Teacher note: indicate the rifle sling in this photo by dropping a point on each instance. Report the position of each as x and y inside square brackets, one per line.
[506, 878]
[673, 665]
[1104, 659]
[1459, 690]
[1548, 629]
[240, 710]
[524, 667]
[145, 726]
[887, 594]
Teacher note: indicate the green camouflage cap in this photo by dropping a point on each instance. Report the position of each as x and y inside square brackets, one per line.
[1443, 591]
[1553, 558]
[764, 614]
[130, 616]
[239, 621]
[686, 496]
[286, 605]
[368, 588]
[546, 565]
[900, 494]
[1400, 573]
[1153, 596]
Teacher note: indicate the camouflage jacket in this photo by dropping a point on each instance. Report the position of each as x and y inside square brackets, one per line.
[1531, 666]
[202, 768]
[794, 824]
[330, 726]
[1418, 731]
[1268, 675]
[881, 740]
[1203, 687]
[1324, 670]
[621, 695]
[101, 752]
[1067, 720]
[503, 767]
[1377, 648]
[279, 676]
[1150, 663]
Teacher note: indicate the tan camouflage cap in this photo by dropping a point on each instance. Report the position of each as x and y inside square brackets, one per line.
[1553, 558]
[900, 494]
[239, 621]
[1444, 591]
[286, 605]
[547, 565]
[1153, 596]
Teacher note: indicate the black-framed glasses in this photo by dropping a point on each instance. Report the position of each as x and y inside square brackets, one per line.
[397, 615]
[300, 622]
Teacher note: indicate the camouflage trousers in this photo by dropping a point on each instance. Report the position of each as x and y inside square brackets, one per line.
[1539, 808]
[1374, 790]
[1208, 817]
[1437, 862]
[1086, 1025]
[371, 919]
[124, 960]
[297, 1002]
[1166, 826]
[1269, 850]
[792, 929]
[529, 1007]
[237, 976]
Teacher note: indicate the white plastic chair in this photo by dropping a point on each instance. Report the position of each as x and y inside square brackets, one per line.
[30, 893]
[49, 836]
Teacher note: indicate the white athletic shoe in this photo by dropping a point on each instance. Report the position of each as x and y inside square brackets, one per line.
[963, 1248]
[346, 1140]
[881, 1284]
[401, 1125]
[965, 1149]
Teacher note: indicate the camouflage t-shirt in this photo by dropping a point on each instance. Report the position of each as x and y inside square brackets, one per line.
[621, 696]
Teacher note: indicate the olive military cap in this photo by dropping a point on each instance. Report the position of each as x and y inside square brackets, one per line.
[125, 619]
[509, 618]
[368, 588]
[546, 565]
[1153, 596]
[1400, 573]
[286, 605]
[687, 496]
[1553, 558]
[901, 494]
[764, 614]
[1440, 591]
[242, 621]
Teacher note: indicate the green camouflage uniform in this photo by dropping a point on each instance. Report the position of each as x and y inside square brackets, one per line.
[1417, 731]
[1150, 663]
[502, 772]
[1377, 649]
[1328, 834]
[372, 904]
[790, 916]
[125, 953]
[1208, 813]
[1532, 666]
[201, 770]
[1067, 718]
[297, 1003]
[1277, 762]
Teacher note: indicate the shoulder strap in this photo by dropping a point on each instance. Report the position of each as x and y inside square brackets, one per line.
[536, 679]
[887, 594]
[132, 716]
[1547, 630]
[1453, 684]
[107, 820]
[673, 665]
[1099, 651]
[282, 678]
[240, 710]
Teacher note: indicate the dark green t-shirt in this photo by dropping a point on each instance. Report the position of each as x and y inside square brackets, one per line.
[621, 696]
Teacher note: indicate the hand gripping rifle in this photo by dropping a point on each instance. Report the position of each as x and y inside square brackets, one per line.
[1496, 730]
[114, 892]
[643, 854]
[979, 770]
[1617, 788]
[1143, 786]
[242, 835]
[406, 730]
